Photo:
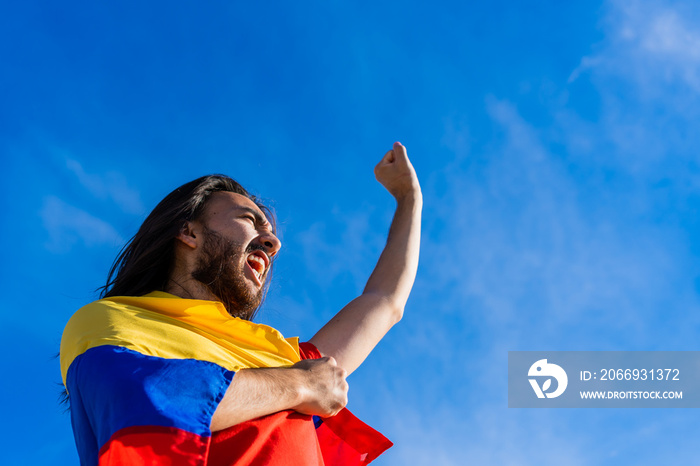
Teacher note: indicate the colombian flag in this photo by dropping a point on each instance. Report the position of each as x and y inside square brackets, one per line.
[145, 375]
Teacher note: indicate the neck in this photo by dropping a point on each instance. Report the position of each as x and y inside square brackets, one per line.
[184, 286]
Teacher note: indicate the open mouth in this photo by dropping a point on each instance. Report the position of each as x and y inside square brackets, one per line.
[258, 262]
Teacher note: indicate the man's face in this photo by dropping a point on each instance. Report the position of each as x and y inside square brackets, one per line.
[235, 252]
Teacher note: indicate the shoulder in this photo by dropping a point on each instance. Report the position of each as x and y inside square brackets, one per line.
[89, 323]
[91, 317]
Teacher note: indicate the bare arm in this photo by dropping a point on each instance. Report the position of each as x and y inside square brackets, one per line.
[351, 335]
[311, 386]
[318, 386]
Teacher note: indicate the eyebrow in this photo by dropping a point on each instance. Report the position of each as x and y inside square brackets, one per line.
[259, 218]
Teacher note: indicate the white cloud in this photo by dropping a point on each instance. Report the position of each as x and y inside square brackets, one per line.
[108, 186]
[669, 36]
[650, 45]
[539, 249]
[529, 248]
[68, 226]
[645, 87]
[660, 29]
[586, 64]
[666, 47]
[537, 257]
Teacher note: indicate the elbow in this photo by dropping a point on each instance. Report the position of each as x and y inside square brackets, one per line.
[394, 308]
[391, 308]
[396, 313]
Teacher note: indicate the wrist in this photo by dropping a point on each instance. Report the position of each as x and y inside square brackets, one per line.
[412, 196]
[299, 388]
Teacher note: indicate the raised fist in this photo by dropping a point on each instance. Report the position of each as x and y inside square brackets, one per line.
[396, 173]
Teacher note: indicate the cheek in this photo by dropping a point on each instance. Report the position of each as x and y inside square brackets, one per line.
[239, 233]
[233, 233]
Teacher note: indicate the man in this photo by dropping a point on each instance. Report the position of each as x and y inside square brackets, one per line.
[169, 369]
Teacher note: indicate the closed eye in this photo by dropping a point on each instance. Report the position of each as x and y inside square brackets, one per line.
[257, 224]
[258, 220]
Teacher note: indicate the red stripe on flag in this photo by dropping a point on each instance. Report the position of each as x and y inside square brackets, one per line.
[149, 445]
[347, 441]
[286, 438]
[344, 439]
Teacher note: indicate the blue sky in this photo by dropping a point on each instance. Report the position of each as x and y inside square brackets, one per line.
[556, 144]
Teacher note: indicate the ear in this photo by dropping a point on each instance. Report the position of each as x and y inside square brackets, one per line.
[187, 235]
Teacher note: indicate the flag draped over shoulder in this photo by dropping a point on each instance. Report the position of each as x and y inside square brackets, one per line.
[145, 375]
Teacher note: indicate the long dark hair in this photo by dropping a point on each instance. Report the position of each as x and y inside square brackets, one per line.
[146, 261]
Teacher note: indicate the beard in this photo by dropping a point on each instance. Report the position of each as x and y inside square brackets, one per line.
[220, 270]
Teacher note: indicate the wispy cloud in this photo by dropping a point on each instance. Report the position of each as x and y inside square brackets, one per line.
[527, 251]
[532, 247]
[110, 185]
[68, 226]
[490, 435]
[346, 245]
[657, 32]
[528, 246]
[651, 45]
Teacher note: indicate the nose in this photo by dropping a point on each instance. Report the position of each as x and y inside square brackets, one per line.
[271, 243]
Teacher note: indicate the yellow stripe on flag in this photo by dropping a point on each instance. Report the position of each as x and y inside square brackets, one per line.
[163, 325]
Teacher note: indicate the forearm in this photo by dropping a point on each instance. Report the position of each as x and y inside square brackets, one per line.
[257, 392]
[352, 333]
[395, 272]
[311, 386]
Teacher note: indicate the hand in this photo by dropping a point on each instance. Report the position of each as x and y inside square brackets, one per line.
[324, 389]
[396, 173]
